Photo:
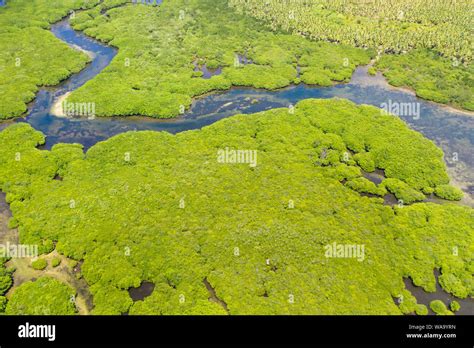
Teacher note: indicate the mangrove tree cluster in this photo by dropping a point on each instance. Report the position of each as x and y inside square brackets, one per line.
[30, 55]
[161, 46]
[426, 46]
[155, 207]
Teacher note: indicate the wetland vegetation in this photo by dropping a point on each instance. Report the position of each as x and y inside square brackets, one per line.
[427, 47]
[30, 55]
[153, 74]
[236, 226]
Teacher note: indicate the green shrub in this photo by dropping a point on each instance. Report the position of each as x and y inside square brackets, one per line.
[39, 264]
[454, 306]
[436, 77]
[408, 304]
[403, 191]
[3, 303]
[439, 307]
[452, 283]
[6, 280]
[366, 186]
[45, 296]
[421, 309]
[365, 161]
[5, 283]
[448, 192]
[55, 262]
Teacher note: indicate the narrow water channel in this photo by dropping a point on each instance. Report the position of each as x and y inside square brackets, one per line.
[423, 297]
[450, 129]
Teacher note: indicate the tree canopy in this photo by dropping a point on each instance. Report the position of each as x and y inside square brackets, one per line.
[160, 48]
[44, 296]
[150, 206]
[30, 55]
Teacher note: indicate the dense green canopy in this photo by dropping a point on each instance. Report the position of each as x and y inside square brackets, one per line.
[153, 75]
[150, 206]
[424, 45]
[160, 48]
[431, 76]
[392, 26]
[5, 278]
[45, 296]
[30, 55]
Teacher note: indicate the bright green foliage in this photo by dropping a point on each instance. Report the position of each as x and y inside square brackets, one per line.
[421, 309]
[39, 264]
[5, 278]
[153, 73]
[166, 300]
[3, 303]
[45, 296]
[454, 306]
[55, 262]
[407, 302]
[38, 13]
[453, 283]
[365, 161]
[432, 41]
[428, 190]
[63, 154]
[108, 4]
[449, 192]
[431, 76]
[5, 283]
[387, 25]
[366, 186]
[117, 270]
[151, 206]
[439, 308]
[109, 300]
[403, 191]
[369, 134]
[30, 55]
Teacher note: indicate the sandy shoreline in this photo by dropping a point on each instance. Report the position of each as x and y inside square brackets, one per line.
[57, 108]
[91, 54]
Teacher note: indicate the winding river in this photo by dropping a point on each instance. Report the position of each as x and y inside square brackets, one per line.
[450, 129]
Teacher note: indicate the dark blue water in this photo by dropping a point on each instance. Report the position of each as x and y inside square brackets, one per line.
[452, 130]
